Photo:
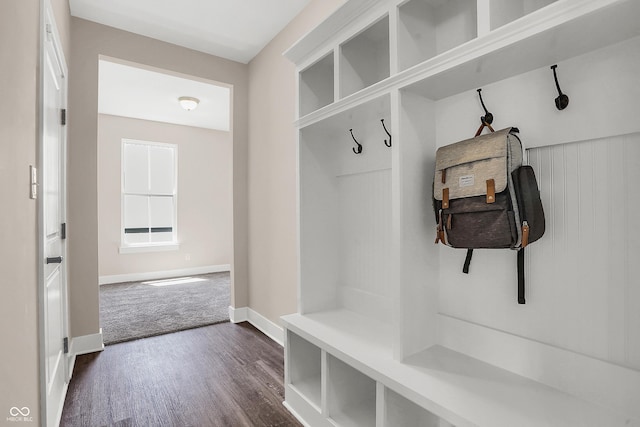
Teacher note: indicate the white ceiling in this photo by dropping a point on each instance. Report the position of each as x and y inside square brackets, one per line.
[232, 29]
[129, 91]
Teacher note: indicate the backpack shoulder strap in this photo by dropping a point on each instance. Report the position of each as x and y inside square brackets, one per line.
[521, 299]
[467, 261]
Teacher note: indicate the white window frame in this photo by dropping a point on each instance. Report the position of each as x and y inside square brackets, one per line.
[148, 246]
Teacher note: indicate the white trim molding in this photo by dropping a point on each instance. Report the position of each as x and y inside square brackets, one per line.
[86, 344]
[153, 275]
[83, 345]
[264, 325]
[237, 315]
[135, 249]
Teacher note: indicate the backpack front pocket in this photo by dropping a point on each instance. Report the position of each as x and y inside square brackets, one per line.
[472, 223]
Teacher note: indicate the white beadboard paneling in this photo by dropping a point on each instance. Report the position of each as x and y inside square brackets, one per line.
[345, 213]
[582, 294]
[318, 225]
[365, 233]
[588, 247]
[630, 248]
[616, 273]
[373, 306]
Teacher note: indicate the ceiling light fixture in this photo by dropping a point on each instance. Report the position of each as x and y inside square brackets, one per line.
[188, 103]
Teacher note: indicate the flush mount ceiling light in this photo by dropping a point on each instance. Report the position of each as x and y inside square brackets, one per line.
[188, 103]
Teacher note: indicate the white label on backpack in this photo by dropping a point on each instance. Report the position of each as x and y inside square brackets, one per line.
[466, 181]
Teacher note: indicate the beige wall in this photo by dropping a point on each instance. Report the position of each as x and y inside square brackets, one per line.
[204, 196]
[62, 16]
[273, 271]
[19, 54]
[88, 41]
[267, 213]
[273, 286]
[19, 22]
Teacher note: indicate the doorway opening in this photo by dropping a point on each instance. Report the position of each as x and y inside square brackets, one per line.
[165, 194]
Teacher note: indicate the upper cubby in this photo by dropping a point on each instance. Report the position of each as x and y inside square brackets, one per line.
[571, 27]
[427, 28]
[316, 85]
[502, 12]
[442, 48]
[364, 59]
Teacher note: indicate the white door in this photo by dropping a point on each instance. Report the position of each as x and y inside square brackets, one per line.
[52, 195]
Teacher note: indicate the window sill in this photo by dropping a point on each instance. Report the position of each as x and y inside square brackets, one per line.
[161, 247]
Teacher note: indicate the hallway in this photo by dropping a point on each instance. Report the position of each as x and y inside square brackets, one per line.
[220, 375]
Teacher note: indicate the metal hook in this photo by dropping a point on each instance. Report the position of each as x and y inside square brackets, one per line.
[488, 117]
[359, 149]
[562, 100]
[385, 129]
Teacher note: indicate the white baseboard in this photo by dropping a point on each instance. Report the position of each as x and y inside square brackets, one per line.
[237, 315]
[583, 376]
[153, 275]
[71, 363]
[83, 345]
[264, 325]
[61, 403]
[86, 344]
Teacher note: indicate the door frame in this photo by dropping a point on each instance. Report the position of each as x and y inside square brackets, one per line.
[49, 34]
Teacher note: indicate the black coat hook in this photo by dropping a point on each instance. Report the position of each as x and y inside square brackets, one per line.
[488, 117]
[359, 149]
[385, 129]
[562, 100]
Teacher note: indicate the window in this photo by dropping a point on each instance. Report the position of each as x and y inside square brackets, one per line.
[149, 195]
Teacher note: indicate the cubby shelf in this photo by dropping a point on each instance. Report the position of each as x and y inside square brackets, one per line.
[316, 85]
[351, 332]
[388, 332]
[503, 12]
[305, 368]
[427, 28]
[401, 412]
[571, 27]
[450, 385]
[364, 59]
[351, 395]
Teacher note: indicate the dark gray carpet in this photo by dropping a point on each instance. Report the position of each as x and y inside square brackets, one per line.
[133, 310]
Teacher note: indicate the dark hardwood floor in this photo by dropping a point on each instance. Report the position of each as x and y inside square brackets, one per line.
[220, 375]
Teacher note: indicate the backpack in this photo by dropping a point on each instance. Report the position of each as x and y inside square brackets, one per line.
[484, 198]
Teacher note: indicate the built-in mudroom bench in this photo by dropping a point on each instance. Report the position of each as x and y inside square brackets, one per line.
[389, 332]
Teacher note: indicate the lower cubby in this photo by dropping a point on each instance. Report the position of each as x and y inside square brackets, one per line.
[304, 368]
[362, 384]
[323, 390]
[401, 412]
[351, 395]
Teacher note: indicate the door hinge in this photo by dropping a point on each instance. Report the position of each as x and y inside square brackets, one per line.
[33, 181]
[63, 230]
[65, 345]
[63, 116]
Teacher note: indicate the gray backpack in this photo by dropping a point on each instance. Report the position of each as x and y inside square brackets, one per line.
[484, 198]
